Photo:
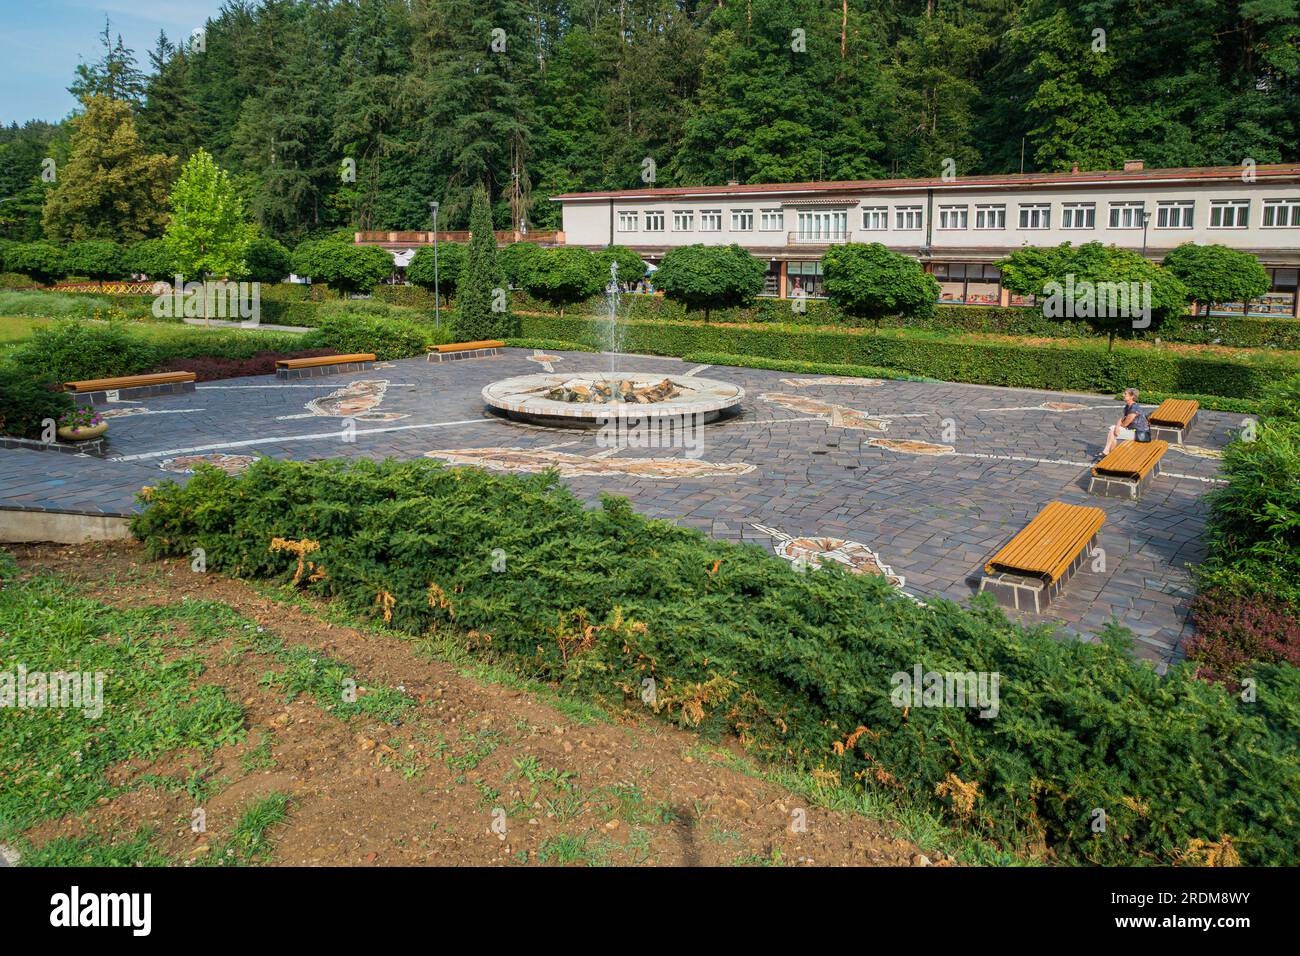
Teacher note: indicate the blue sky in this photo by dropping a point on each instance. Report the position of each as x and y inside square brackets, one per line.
[42, 41]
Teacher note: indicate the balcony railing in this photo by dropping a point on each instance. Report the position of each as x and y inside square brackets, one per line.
[817, 238]
[418, 238]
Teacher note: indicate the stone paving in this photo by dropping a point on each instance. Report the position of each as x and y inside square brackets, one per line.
[931, 477]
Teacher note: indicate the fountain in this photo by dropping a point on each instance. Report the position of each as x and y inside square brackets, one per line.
[623, 399]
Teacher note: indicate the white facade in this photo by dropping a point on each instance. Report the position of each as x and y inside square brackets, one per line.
[966, 221]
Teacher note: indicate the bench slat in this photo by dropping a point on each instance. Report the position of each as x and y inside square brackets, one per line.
[469, 346]
[1175, 412]
[1131, 460]
[324, 360]
[1050, 542]
[128, 381]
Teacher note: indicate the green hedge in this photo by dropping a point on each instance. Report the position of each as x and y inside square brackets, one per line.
[69, 350]
[1067, 366]
[808, 368]
[802, 665]
[386, 338]
[1233, 332]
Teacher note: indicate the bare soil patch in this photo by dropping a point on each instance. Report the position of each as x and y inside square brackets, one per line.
[429, 790]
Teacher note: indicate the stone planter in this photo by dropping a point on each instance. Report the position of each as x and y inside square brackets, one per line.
[73, 433]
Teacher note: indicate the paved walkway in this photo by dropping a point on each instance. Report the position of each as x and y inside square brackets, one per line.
[932, 478]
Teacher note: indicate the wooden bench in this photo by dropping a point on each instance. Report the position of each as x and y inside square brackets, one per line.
[1128, 470]
[1034, 566]
[464, 350]
[1173, 419]
[323, 365]
[100, 390]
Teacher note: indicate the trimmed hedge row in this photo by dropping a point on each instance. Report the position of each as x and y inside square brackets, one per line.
[1064, 367]
[803, 666]
[1233, 332]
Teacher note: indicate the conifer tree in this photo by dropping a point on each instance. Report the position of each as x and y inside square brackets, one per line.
[482, 302]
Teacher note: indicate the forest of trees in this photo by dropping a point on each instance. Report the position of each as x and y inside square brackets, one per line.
[427, 99]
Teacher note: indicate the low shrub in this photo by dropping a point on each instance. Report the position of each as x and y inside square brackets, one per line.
[809, 368]
[1235, 630]
[54, 305]
[386, 338]
[16, 280]
[1065, 366]
[209, 368]
[26, 402]
[71, 350]
[1282, 399]
[549, 345]
[803, 666]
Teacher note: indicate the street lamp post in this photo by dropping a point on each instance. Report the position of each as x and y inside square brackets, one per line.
[1146, 221]
[433, 210]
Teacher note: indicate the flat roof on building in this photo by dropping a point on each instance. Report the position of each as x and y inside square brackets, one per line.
[1137, 176]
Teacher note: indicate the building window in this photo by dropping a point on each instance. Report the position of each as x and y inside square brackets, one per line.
[973, 283]
[954, 217]
[710, 220]
[830, 226]
[1281, 213]
[990, 217]
[771, 220]
[1036, 216]
[742, 220]
[683, 220]
[1079, 215]
[1229, 214]
[627, 222]
[875, 218]
[803, 278]
[907, 217]
[654, 221]
[1175, 215]
[1126, 215]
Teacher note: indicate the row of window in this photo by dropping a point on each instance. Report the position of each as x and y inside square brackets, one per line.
[1172, 214]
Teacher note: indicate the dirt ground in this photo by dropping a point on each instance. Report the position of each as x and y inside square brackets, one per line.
[431, 790]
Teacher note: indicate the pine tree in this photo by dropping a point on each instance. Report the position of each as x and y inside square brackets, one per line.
[111, 187]
[115, 74]
[482, 302]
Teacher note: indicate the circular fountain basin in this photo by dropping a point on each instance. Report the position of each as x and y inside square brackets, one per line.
[524, 398]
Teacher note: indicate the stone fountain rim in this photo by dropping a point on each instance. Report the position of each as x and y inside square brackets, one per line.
[672, 407]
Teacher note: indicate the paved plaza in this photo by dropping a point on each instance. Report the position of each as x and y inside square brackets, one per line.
[924, 480]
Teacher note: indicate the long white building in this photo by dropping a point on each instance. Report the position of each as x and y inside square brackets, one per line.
[958, 227]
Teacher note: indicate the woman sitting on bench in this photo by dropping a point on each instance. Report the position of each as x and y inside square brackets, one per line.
[1130, 423]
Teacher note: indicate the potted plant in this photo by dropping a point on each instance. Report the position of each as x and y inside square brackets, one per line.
[81, 424]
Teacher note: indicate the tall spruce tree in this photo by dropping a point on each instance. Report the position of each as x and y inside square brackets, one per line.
[482, 300]
[111, 187]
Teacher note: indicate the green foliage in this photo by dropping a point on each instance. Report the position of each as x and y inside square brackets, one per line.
[345, 267]
[207, 234]
[1215, 274]
[787, 365]
[515, 260]
[26, 401]
[151, 258]
[593, 599]
[93, 258]
[482, 302]
[151, 705]
[631, 267]
[1058, 273]
[386, 338]
[54, 305]
[41, 260]
[1282, 399]
[867, 281]
[451, 261]
[1253, 533]
[69, 351]
[265, 260]
[1069, 365]
[710, 277]
[110, 187]
[564, 275]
